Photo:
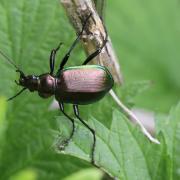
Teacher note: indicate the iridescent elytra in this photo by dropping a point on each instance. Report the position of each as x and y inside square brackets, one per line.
[83, 85]
[77, 85]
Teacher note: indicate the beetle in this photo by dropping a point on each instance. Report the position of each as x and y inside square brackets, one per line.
[77, 85]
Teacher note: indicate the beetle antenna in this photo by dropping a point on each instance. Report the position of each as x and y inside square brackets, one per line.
[9, 60]
[17, 94]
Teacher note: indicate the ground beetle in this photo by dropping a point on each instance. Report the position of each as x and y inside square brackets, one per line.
[77, 85]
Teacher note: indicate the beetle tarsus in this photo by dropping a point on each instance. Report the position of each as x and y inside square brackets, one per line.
[76, 112]
[61, 105]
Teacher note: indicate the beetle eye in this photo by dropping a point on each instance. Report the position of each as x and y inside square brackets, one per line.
[34, 77]
[22, 79]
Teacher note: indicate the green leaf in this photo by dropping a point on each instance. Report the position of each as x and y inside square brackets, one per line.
[170, 126]
[87, 174]
[28, 174]
[146, 36]
[128, 92]
[122, 150]
[29, 31]
[3, 125]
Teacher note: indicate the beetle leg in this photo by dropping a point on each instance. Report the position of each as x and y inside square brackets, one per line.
[94, 54]
[52, 58]
[61, 105]
[76, 112]
[22, 90]
[67, 55]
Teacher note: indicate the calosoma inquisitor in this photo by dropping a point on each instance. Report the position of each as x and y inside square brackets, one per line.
[78, 85]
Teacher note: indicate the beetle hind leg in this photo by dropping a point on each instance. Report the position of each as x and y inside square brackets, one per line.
[61, 105]
[98, 51]
[76, 112]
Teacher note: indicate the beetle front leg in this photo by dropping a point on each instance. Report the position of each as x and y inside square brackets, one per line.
[67, 55]
[61, 105]
[52, 58]
[76, 112]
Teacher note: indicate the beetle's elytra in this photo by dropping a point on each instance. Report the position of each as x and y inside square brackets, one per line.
[83, 84]
[78, 85]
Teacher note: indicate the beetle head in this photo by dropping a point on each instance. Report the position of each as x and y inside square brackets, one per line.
[29, 82]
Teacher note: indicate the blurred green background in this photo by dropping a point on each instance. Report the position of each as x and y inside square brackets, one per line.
[145, 35]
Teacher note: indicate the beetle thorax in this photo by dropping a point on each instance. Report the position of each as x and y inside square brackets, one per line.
[46, 85]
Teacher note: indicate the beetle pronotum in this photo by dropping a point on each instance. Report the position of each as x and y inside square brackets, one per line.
[77, 85]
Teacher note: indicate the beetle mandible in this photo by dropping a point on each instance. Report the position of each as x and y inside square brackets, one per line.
[77, 85]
